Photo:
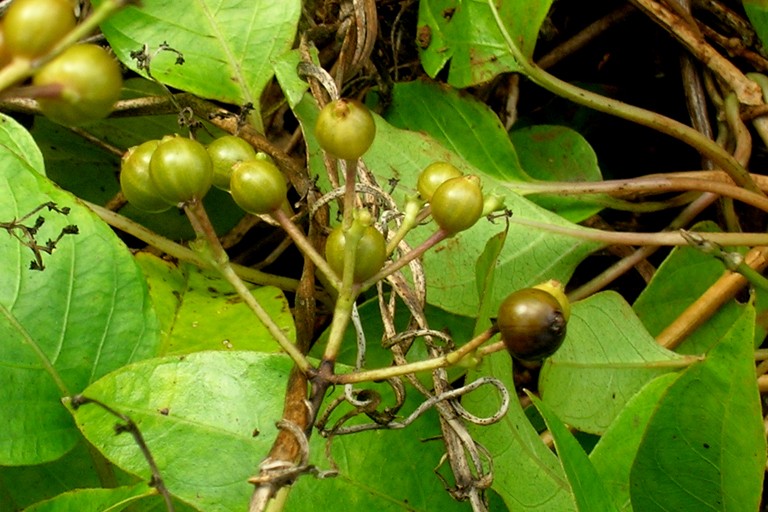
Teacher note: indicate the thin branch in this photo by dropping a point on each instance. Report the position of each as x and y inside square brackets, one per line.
[747, 91]
[638, 115]
[631, 238]
[202, 226]
[184, 253]
[133, 429]
[444, 361]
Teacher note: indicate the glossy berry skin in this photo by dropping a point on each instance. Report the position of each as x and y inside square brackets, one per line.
[258, 186]
[91, 82]
[181, 170]
[225, 152]
[345, 128]
[32, 27]
[135, 181]
[5, 55]
[370, 257]
[457, 204]
[434, 175]
[532, 323]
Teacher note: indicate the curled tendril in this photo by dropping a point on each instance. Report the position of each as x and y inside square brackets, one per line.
[500, 411]
[274, 471]
[310, 70]
[359, 187]
[430, 402]
[416, 333]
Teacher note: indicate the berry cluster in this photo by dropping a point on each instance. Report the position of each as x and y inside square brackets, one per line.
[159, 174]
[176, 170]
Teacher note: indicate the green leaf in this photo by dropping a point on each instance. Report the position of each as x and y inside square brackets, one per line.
[587, 487]
[471, 130]
[105, 500]
[83, 316]
[227, 45]
[705, 444]
[459, 123]
[485, 276]
[529, 256]
[465, 32]
[606, 358]
[681, 278]
[757, 12]
[208, 419]
[15, 139]
[200, 311]
[76, 164]
[526, 473]
[614, 454]
[292, 85]
[22, 486]
[558, 153]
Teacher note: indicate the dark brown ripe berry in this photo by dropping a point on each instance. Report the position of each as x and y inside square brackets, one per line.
[532, 323]
[345, 128]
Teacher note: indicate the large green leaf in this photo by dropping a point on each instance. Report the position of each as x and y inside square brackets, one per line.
[15, 139]
[587, 486]
[459, 123]
[21, 486]
[606, 358]
[704, 446]
[208, 418]
[227, 45]
[103, 500]
[615, 452]
[465, 32]
[200, 311]
[527, 474]
[558, 153]
[85, 315]
[528, 257]
[472, 131]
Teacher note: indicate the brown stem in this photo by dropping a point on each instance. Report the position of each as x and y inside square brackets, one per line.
[710, 301]
[586, 36]
[747, 91]
[650, 184]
